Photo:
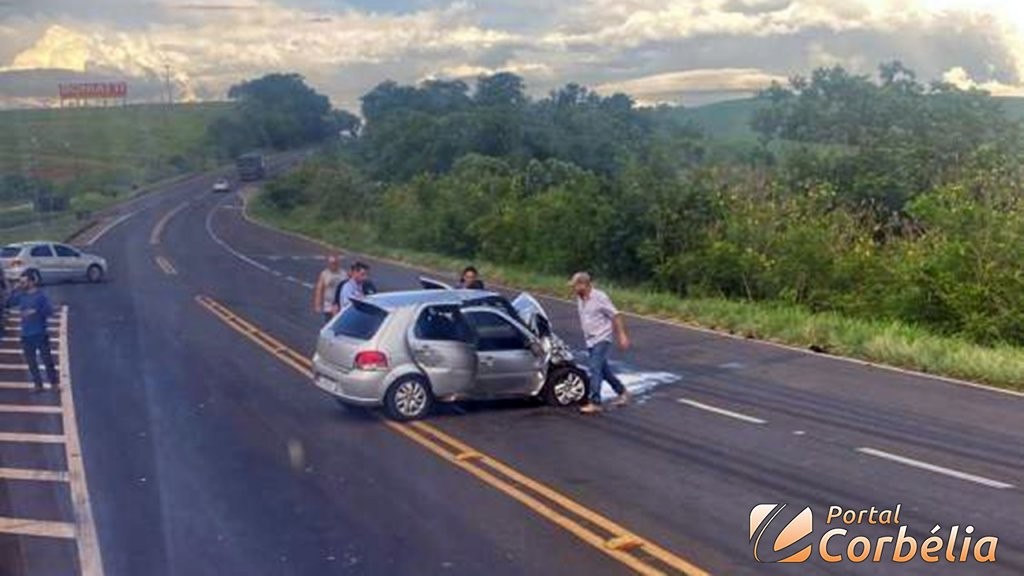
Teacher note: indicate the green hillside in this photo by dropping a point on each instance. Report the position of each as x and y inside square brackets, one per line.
[94, 157]
[114, 146]
[1014, 107]
[729, 121]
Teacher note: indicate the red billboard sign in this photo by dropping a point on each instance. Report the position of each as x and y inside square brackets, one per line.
[93, 91]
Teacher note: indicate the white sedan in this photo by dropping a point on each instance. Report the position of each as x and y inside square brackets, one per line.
[222, 186]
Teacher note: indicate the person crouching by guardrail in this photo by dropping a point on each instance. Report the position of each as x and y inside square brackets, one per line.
[601, 322]
[35, 310]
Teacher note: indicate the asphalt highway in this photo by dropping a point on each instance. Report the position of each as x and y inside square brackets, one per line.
[208, 451]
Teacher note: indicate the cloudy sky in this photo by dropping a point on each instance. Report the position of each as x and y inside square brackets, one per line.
[687, 51]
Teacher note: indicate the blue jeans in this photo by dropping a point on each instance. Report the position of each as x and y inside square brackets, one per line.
[597, 363]
[33, 347]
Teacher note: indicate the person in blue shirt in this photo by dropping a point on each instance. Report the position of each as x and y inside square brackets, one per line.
[357, 285]
[35, 310]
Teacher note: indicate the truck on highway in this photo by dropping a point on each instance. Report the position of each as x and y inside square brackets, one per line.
[251, 166]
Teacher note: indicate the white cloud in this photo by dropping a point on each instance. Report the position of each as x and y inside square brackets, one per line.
[632, 22]
[658, 48]
[959, 77]
[673, 86]
[225, 46]
[525, 69]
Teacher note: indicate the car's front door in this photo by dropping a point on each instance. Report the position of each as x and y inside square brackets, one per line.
[510, 361]
[442, 346]
[69, 261]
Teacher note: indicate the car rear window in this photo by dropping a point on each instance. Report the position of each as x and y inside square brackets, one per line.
[359, 320]
[9, 251]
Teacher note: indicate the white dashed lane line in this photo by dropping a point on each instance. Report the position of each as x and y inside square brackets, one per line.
[721, 411]
[966, 476]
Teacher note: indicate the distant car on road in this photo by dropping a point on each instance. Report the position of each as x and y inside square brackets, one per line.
[222, 186]
[406, 350]
[51, 262]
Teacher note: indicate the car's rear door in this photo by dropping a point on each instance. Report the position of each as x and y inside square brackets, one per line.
[510, 361]
[44, 261]
[441, 343]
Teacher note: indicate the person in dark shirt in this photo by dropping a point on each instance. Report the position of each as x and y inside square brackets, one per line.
[35, 311]
[471, 279]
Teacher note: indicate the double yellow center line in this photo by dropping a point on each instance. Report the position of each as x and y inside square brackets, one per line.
[165, 265]
[625, 546]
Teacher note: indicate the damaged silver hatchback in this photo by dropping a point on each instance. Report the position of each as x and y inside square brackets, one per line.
[406, 350]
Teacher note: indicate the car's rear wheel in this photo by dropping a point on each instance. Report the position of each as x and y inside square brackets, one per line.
[409, 398]
[566, 385]
[94, 274]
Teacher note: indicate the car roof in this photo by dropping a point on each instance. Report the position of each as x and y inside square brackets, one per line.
[30, 244]
[393, 300]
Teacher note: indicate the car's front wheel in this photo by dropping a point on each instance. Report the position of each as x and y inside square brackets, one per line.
[94, 274]
[409, 398]
[566, 385]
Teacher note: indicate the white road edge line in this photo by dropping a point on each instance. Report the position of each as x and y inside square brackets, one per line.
[228, 247]
[110, 226]
[89, 558]
[158, 230]
[721, 411]
[934, 468]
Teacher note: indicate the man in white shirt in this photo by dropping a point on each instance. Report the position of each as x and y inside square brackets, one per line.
[326, 284]
[601, 323]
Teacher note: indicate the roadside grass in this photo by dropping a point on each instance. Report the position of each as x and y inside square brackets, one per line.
[103, 156]
[885, 342]
[22, 223]
[58, 228]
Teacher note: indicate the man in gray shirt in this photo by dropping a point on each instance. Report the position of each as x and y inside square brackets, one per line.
[601, 323]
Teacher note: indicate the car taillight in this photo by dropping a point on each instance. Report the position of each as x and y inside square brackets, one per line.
[15, 264]
[371, 360]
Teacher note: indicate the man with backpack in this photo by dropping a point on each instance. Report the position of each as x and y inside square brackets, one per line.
[357, 285]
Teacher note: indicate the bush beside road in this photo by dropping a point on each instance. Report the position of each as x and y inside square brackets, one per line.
[890, 343]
